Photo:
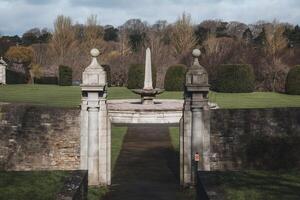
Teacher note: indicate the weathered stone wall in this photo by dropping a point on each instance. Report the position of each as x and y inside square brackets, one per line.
[33, 137]
[255, 138]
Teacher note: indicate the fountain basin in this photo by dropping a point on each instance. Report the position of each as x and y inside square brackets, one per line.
[147, 96]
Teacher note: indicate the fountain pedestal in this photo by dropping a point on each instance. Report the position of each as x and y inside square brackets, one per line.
[148, 96]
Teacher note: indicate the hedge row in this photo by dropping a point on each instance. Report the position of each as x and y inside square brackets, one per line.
[292, 85]
[175, 78]
[136, 76]
[48, 80]
[13, 77]
[65, 75]
[231, 78]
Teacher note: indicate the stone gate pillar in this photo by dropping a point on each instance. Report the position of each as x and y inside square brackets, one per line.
[95, 136]
[195, 124]
[2, 71]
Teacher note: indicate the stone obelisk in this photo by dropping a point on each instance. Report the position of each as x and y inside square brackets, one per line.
[148, 71]
[148, 93]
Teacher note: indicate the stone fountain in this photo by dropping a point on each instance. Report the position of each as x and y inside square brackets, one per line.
[148, 93]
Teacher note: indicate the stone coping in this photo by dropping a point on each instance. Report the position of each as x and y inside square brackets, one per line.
[135, 105]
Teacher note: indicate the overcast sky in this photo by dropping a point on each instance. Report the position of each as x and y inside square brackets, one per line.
[17, 16]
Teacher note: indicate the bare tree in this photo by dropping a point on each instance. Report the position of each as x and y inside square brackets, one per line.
[162, 55]
[217, 51]
[63, 39]
[182, 37]
[93, 32]
[211, 25]
[35, 72]
[275, 44]
[236, 29]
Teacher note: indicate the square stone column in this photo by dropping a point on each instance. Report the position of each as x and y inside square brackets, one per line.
[195, 133]
[95, 150]
[3, 66]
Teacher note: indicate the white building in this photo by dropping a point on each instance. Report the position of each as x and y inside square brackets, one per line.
[2, 71]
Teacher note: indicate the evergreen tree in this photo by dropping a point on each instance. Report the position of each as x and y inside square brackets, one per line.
[261, 39]
[201, 34]
[248, 36]
[110, 34]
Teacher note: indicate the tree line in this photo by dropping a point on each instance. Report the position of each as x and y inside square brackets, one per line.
[271, 48]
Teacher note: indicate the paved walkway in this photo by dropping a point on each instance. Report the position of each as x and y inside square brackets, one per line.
[147, 167]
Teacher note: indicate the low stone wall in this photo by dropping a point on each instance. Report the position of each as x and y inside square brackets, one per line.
[255, 138]
[38, 138]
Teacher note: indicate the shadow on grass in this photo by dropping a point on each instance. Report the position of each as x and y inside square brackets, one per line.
[254, 184]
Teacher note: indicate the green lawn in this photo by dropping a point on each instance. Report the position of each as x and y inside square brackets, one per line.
[59, 96]
[174, 136]
[255, 185]
[255, 100]
[35, 185]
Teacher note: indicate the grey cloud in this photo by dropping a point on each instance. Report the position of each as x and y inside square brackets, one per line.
[124, 4]
[31, 2]
[17, 16]
[40, 2]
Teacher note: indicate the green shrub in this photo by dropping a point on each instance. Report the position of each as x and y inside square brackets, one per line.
[65, 76]
[47, 80]
[237, 78]
[136, 76]
[108, 74]
[13, 77]
[292, 85]
[175, 78]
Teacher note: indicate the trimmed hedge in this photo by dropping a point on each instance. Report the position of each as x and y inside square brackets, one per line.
[47, 80]
[108, 74]
[13, 77]
[175, 78]
[136, 76]
[65, 76]
[292, 84]
[237, 78]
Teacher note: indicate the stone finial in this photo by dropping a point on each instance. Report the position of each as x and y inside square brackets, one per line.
[94, 64]
[94, 74]
[95, 52]
[196, 54]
